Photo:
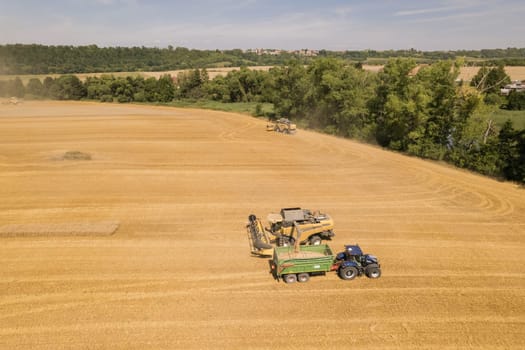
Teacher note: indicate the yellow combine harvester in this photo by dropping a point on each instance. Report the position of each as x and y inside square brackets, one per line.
[292, 226]
[282, 125]
[301, 225]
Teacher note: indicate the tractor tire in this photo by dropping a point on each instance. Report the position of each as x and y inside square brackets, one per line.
[315, 240]
[290, 278]
[303, 277]
[373, 271]
[348, 273]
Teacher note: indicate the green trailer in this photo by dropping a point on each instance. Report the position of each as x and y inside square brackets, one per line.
[300, 262]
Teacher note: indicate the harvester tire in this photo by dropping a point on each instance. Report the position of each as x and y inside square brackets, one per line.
[303, 277]
[373, 271]
[286, 242]
[315, 240]
[290, 278]
[348, 273]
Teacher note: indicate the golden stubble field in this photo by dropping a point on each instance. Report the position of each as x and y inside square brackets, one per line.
[466, 73]
[178, 186]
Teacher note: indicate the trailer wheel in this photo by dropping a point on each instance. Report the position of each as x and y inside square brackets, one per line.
[290, 278]
[373, 271]
[348, 273]
[315, 240]
[303, 277]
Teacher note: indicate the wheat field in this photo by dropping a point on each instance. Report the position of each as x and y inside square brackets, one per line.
[169, 267]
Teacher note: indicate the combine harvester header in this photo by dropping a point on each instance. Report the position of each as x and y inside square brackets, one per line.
[260, 242]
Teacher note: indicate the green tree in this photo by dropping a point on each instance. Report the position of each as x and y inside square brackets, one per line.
[97, 87]
[165, 88]
[138, 87]
[15, 88]
[35, 87]
[251, 84]
[191, 84]
[511, 149]
[338, 98]
[150, 90]
[217, 89]
[516, 100]
[400, 106]
[47, 86]
[477, 149]
[68, 87]
[443, 123]
[122, 90]
[489, 80]
[291, 87]
[325, 85]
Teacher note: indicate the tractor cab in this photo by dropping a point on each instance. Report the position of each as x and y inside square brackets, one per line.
[351, 253]
[354, 253]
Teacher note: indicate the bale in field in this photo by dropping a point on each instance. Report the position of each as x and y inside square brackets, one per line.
[76, 155]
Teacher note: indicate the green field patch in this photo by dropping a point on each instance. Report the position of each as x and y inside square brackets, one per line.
[500, 116]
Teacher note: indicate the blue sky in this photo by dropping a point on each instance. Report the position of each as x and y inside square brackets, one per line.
[284, 24]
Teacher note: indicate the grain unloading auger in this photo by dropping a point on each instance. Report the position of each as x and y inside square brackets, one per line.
[260, 243]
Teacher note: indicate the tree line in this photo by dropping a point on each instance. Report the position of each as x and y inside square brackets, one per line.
[427, 113]
[423, 112]
[43, 59]
[106, 88]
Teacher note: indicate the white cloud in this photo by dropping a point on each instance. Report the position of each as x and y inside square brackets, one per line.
[116, 2]
[425, 11]
[344, 11]
[203, 24]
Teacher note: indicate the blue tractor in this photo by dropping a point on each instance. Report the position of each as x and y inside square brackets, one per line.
[352, 263]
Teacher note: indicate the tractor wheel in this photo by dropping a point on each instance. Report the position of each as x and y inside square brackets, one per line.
[373, 271]
[348, 273]
[290, 278]
[315, 240]
[303, 277]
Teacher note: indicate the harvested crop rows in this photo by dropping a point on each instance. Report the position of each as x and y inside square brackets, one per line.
[140, 243]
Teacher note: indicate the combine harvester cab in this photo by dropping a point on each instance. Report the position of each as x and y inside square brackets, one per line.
[260, 243]
[296, 224]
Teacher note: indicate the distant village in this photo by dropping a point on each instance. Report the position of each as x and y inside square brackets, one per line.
[276, 52]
